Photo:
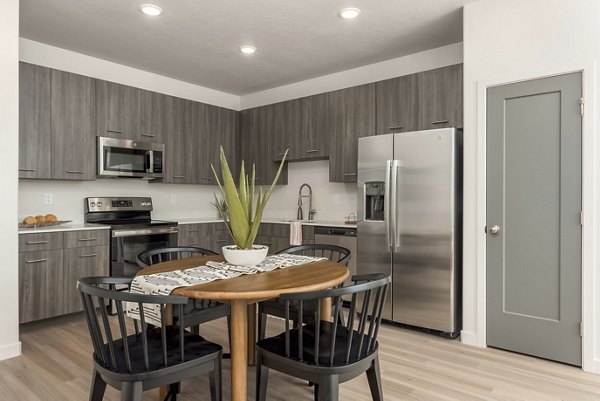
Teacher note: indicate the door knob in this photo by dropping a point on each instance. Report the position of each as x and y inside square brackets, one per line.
[494, 230]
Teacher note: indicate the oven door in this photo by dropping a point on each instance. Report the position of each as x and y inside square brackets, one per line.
[126, 158]
[127, 244]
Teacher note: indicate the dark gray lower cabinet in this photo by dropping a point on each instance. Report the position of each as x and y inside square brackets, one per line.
[204, 235]
[81, 262]
[48, 277]
[277, 236]
[41, 276]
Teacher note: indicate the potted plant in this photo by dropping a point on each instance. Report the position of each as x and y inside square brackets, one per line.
[241, 210]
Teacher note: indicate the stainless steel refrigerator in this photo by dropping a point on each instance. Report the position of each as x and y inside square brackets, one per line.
[409, 223]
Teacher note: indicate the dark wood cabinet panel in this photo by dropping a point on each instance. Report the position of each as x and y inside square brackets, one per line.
[397, 105]
[441, 97]
[258, 142]
[181, 142]
[41, 277]
[154, 122]
[119, 110]
[86, 261]
[35, 133]
[77, 239]
[352, 114]
[40, 241]
[202, 235]
[220, 128]
[73, 121]
[319, 131]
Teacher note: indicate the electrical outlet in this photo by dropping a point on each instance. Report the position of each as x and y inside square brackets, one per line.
[173, 198]
[48, 198]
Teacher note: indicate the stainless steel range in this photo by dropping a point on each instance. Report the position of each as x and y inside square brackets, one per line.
[132, 229]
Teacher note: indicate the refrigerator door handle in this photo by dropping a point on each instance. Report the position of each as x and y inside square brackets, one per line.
[394, 243]
[387, 204]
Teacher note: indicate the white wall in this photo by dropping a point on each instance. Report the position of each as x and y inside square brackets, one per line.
[54, 57]
[422, 61]
[9, 132]
[333, 201]
[512, 40]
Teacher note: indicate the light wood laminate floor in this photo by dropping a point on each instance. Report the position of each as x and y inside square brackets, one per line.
[56, 365]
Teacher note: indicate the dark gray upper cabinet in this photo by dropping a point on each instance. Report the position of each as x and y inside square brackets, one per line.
[220, 129]
[441, 97]
[154, 122]
[73, 120]
[181, 142]
[319, 131]
[34, 122]
[352, 115]
[119, 111]
[397, 105]
[258, 144]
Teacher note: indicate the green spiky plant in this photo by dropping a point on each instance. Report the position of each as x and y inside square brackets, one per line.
[242, 213]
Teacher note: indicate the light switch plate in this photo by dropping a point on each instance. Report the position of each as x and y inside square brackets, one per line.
[48, 198]
[173, 198]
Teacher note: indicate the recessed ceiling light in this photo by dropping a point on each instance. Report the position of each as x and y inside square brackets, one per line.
[247, 49]
[151, 9]
[349, 13]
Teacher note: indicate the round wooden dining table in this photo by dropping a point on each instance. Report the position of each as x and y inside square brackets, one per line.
[244, 292]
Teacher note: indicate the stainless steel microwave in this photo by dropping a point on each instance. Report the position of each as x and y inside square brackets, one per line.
[130, 159]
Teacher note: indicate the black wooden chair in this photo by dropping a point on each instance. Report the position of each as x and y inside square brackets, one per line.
[197, 311]
[148, 357]
[324, 352]
[275, 307]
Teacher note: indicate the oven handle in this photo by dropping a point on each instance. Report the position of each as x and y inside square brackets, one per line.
[144, 231]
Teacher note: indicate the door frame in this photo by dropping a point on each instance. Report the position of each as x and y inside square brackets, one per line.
[590, 205]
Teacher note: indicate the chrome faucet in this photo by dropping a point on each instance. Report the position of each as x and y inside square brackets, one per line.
[311, 211]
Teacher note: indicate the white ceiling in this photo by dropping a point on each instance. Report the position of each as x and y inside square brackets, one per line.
[197, 40]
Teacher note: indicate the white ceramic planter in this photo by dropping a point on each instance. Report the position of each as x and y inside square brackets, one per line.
[245, 257]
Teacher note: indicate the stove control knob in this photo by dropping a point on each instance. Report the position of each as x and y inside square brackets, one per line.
[92, 204]
[99, 204]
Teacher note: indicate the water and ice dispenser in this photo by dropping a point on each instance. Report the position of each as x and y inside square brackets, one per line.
[374, 201]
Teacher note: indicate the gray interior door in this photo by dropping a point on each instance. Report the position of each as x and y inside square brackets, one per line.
[533, 217]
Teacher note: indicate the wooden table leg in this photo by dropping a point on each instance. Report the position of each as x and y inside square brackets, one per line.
[251, 334]
[325, 309]
[239, 349]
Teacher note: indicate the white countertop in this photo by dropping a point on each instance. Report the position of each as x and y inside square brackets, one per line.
[63, 227]
[323, 223]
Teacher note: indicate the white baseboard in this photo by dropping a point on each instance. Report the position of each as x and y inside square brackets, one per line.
[10, 351]
[469, 338]
[595, 368]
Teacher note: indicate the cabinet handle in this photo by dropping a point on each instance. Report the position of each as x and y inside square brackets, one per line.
[194, 231]
[36, 261]
[207, 178]
[349, 174]
[149, 135]
[115, 131]
[91, 255]
[88, 239]
[312, 150]
[221, 240]
[439, 122]
[36, 242]
[75, 172]
[396, 127]
[27, 169]
[179, 176]
[266, 243]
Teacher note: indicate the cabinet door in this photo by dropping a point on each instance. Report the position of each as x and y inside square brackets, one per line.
[81, 262]
[441, 97]
[220, 128]
[319, 131]
[40, 285]
[352, 116]
[154, 107]
[180, 144]
[34, 121]
[397, 106]
[118, 111]
[73, 120]
[202, 235]
[294, 123]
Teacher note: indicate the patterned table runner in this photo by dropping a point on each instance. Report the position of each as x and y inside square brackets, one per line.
[165, 283]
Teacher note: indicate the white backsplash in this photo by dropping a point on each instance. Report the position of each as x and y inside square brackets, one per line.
[332, 201]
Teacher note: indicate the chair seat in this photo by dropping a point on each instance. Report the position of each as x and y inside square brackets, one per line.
[198, 311]
[195, 347]
[276, 345]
